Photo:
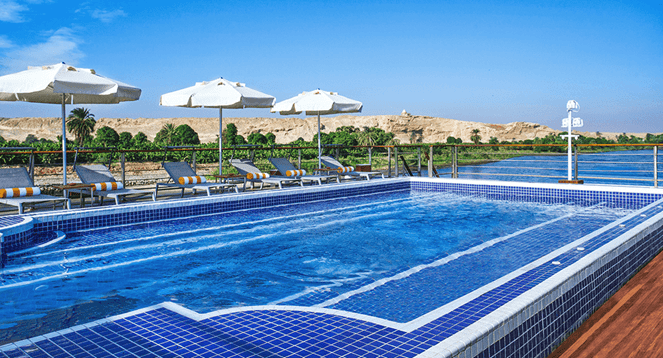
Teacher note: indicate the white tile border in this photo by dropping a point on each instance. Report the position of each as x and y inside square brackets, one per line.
[201, 200]
[579, 187]
[23, 226]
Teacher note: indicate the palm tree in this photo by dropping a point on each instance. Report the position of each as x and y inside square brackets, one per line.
[365, 137]
[80, 123]
[476, 138]
[166, 135]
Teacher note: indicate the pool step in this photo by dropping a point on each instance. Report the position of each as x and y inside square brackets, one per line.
[47, 239]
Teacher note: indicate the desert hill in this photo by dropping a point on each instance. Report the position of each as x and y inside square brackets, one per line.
[407, 128]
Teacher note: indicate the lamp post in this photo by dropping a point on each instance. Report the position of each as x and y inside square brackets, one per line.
[570, 122]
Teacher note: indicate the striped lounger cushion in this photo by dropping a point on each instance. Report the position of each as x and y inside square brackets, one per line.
[295, 173]
[345, 169]
[257, 176]
[112, 185]
[17, 192]
[192, 180]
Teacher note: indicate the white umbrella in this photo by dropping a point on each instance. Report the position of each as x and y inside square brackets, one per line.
[318, 102]
[60, 84]
[219, 93]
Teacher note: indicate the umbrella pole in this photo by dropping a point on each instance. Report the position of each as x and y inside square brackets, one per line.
[220, 141]
[319, 145]
[64, 144]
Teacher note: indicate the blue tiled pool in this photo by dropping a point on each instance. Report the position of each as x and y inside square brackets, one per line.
[298, 280]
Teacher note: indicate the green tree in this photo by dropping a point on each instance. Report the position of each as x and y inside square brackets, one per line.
[348, 129]
[239, 140]
[271, 138]
[380, 137]
[230, 136]
[365, 137]
[451, 140]
[343, 137]
[649, 138]
[138, 139]
[185, 135]
[634, 140]
[166, 135]
[30, 139]
[476, 138]
[81, 124]
[126, 139]
[257, 138]
[107, 137]
[622, 139]
[494, 140]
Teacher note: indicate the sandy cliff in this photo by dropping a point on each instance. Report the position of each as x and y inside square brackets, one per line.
[408, 128]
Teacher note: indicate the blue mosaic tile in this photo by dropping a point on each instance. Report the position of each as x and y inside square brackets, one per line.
[161, 332]
[10, 220]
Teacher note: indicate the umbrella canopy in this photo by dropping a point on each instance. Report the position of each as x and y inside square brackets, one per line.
[318, 102]
[218, 93]
[60, 84]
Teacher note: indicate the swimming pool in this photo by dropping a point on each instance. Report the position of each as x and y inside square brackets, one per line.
[417, 266]
[291, 254]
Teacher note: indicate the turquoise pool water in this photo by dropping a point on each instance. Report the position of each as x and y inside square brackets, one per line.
[275, 255]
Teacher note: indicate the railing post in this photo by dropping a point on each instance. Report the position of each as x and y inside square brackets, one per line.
[338, 153]
[122, 166]
[389, 162]
[656, 166]
[370, 156]
[396, 160]
[419, 160]
[32, 166]
[454, 162]
[430, 162]
[575, 169]
[299, 158]
[193, 160]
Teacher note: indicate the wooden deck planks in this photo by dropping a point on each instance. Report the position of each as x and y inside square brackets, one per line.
[629, 324]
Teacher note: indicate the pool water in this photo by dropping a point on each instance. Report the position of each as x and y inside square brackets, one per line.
[254, 257]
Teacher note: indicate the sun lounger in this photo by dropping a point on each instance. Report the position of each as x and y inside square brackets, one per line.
[335, 164]
[98, 173]
[246, 166]
[284, 166]
[177, 170]
[19, 178]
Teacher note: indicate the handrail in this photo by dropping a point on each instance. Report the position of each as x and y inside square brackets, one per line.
[17, 148]
[443, 154]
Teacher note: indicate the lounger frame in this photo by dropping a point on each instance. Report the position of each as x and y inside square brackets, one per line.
[283, 165]
[177, 170]
[246, 166]
[19, 178]
[334, 164]
[98, 173]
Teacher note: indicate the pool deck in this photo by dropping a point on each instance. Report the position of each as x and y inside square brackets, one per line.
[629, 324]
[503, 318]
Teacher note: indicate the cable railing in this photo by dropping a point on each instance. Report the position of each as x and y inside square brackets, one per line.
[603, 164]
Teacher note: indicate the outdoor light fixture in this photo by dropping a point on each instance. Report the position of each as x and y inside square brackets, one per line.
[570, 122]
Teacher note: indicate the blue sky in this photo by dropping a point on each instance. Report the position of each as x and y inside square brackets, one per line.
[485, 61]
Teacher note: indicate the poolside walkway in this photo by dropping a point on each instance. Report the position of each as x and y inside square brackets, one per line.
[629, 324]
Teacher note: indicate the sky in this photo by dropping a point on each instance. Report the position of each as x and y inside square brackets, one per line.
[483, 61]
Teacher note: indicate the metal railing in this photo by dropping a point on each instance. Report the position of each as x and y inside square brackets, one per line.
[500, 161]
